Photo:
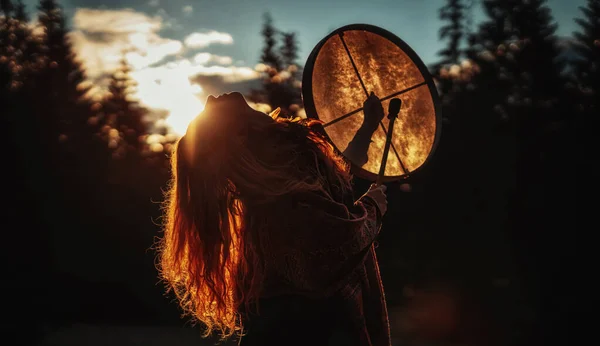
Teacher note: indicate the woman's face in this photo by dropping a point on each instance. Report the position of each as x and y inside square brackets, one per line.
[233, 104]
[225, 119]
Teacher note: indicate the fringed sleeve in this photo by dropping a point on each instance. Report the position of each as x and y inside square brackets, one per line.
[323, 242]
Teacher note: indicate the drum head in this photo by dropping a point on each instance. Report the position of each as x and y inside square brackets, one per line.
[354, 61]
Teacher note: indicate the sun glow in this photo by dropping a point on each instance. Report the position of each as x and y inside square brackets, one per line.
[165, 70]
[170, 89]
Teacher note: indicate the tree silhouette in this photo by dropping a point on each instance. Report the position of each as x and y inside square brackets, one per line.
[21, 12]
[538, 67]
[291, 82]
[280, 86]
[446, 71]
[453, 31]
[269, 55]
[587, 69]
[6, 7]
[19, 49]
[124, 114]
[289, 49]
[60, 84]
[488, 49]
[5, 68]
[519, 94]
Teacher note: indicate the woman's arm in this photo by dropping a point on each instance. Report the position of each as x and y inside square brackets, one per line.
[358, 148]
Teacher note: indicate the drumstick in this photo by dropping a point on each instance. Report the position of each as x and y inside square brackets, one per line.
[393, 110]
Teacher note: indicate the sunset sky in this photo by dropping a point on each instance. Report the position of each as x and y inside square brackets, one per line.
[183, 50]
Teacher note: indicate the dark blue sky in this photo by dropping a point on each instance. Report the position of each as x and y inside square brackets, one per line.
[415, 21]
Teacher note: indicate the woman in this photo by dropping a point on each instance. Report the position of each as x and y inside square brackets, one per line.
[262, 236]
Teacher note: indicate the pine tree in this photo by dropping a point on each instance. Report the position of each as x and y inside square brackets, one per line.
[538, 93]
[5, 69]
[16, 43]
[516, 53]
[278, 90]
[453, 31]
[125, 116]
[490, 51]
[6, 6]
[7, 64]
[27, 47]
[520, 80]
[63, 111]
[21, 12]
[538, 68]
[19, 58]
[61, 82]
[292, 83]
[289, 49]
[25, 158]
[587, 69]
[269, 55]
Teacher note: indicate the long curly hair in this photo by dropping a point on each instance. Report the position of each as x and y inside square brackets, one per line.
[226, 171]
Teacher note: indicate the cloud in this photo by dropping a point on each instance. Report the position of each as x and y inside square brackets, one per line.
[188, 9]
[217, 84]
[102, 37]
[202, 40]
[153, 3]
[115, 21]
[181, 87]
[205, 58]
[168, 82]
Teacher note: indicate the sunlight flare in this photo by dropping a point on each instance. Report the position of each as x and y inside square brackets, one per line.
[163, 69]
[170, 89]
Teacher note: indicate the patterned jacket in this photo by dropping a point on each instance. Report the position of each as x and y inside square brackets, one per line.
[323, 248]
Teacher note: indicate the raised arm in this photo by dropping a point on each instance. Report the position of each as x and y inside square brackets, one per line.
[358, 148]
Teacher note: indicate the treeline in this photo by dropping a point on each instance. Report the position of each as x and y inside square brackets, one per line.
[499, 210]
[82, 177]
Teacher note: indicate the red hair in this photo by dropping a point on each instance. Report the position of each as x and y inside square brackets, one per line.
[226, 171]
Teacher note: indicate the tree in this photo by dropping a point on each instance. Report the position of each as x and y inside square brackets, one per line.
[21, 12]
[521, 77]
[72, 157]
[289, 49]
[269, 55]
[6, 7]
[490, 50]
[453, 31]
[538, 67]
[19, 47]
[587, 69]
[61, 83]
[291, 83]
[280, 89]
[5, 68]
[124, 114]
[517, 55]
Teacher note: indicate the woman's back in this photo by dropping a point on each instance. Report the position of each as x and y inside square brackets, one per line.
[262, 209]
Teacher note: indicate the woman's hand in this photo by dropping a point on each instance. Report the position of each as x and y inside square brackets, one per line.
[377, 193]
[373, 111]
